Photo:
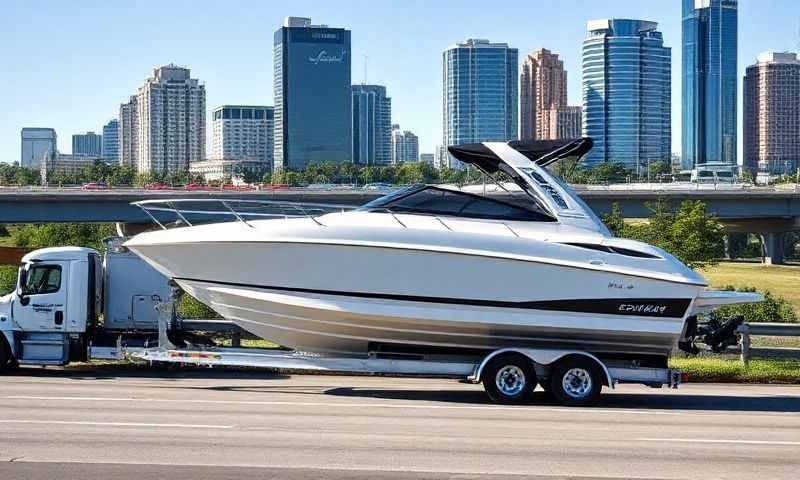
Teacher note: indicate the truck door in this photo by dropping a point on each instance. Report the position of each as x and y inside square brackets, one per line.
[42, 297]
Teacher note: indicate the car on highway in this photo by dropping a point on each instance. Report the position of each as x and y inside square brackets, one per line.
[238, 188]
[273, 186]
[157, 186]
[379, 187]
[196, 187]
[94, 186]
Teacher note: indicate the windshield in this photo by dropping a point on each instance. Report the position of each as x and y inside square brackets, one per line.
[430, 200]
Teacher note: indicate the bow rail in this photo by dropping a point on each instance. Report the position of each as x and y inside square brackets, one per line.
[181, 210]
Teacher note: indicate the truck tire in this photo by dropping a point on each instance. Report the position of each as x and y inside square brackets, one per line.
[5, 355]
[576, 382]
[510, 379]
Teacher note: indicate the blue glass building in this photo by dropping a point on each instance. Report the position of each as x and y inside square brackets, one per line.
[626, 93]
[313, 100]
[372, 125]
[479, 94]
[89, 143]
[709, 84]
[111, 141]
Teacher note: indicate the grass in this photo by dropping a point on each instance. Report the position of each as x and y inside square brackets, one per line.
[729, 370]
[781, 280]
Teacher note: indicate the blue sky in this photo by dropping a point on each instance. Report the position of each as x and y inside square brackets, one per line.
[69, 64]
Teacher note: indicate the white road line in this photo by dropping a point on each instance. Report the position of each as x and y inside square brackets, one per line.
[116, 424]
[719, 440]
[527, 408]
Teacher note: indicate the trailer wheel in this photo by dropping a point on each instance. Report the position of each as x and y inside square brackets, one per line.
[576, 381]
[510, 379]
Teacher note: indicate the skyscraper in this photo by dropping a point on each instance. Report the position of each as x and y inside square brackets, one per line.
[37, 144]
[709, 84]
[89, 143]
[405, 146]
[626, 93]
[243, 132]
[372, 125]
[772, 114]
[313, 100]
[428, 158]
[111, 141]
[479, 93]
[129, 132]
[543, 87]
[163, 128]
[564, 122]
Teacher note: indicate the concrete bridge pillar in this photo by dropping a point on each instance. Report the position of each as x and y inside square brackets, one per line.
[772, 248]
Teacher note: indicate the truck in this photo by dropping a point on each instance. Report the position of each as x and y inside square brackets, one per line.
[72, 304]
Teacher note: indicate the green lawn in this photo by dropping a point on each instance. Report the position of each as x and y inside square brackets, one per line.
[782, 280]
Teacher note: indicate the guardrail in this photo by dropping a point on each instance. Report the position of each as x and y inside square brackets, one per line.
[771, 329]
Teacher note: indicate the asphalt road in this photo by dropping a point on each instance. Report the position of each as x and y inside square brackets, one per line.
[212, 424]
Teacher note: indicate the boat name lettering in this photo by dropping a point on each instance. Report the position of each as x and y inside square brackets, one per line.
[642, 308]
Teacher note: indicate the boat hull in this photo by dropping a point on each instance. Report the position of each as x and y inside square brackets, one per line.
[350, 299]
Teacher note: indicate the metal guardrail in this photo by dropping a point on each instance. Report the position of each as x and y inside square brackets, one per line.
[771, 329]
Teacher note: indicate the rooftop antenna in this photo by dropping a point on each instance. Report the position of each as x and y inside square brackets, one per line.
[365, 69]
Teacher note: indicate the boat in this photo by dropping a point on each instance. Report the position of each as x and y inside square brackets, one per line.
[439, 271]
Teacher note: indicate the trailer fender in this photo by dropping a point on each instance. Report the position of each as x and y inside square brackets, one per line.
[540, 356]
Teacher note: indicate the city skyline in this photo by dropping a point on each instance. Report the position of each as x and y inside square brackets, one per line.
[245, 77]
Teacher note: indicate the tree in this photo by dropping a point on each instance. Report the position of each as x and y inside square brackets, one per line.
[697, 238]
[8, 279]
[690, 233]
[614, 220]
[60, 234]
[657, 169]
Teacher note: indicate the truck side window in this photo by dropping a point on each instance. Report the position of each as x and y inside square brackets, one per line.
[43, 279]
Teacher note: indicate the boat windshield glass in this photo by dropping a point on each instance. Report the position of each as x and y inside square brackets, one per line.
[430, 200]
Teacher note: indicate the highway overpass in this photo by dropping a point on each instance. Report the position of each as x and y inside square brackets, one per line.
[769, 212]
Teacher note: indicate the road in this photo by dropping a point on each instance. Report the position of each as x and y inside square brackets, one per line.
[199, 424]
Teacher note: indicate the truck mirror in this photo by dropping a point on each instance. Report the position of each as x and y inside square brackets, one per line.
[23, 279]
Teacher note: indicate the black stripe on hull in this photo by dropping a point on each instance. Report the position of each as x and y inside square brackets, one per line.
[641, 307]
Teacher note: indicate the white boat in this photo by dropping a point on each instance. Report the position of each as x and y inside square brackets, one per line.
[436, 271]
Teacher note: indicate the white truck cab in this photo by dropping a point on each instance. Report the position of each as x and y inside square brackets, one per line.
[53, 315]
[56, 302]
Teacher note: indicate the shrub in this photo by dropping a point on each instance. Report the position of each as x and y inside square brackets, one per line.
[772, 309]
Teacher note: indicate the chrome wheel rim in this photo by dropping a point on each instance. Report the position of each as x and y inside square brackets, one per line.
[510, 380]
[577, 383]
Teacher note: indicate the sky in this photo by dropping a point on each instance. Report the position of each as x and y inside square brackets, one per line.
[69, 64]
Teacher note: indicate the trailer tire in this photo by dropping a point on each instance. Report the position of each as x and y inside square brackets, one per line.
[510, 379]
[576, 381]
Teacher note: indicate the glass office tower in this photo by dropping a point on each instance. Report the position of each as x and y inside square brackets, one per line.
[372, 125]
[313, 101]
[626, 93]
[479, 93]
[709, 84]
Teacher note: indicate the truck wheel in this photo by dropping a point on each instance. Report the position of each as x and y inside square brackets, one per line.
[576, 381]
[510, 379]
[5, 355]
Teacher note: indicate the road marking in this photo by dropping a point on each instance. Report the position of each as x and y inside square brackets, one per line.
[527, 408]
[719, 440]
[116, 424]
